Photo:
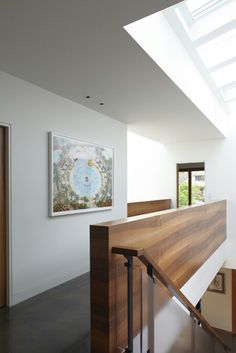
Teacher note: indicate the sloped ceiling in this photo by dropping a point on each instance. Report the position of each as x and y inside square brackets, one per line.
[77, 48]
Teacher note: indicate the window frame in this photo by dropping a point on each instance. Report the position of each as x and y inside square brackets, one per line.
[188, 167]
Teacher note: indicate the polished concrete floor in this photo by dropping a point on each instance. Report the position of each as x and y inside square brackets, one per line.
[56, 321]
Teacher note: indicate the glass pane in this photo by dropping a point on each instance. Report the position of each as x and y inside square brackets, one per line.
[121, 305]
[200, 7]
[232, 106]
[140, 329]
[161, 323]
[220, 16]
[174, 330]
[173, 326]
[219, 49]
[183, 189]
[140, 342]
[195, 5]
[219, 348]
[229, 92]
[198, 186]
[203, 342]
[225, 75]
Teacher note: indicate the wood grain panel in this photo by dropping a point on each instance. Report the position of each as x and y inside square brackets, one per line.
[144, 207]
[233, 301]
[2, 220]
[178, 240]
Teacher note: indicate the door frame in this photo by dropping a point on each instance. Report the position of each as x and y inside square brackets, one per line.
[8, 215]
[233, 279]
[189, 168]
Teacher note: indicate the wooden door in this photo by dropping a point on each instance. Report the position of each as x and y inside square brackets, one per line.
[234, 301]
[2, 217]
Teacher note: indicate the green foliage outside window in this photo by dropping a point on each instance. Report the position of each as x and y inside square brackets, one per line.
[197, 194]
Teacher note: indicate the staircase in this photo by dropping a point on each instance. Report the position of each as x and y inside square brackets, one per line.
[142, 270]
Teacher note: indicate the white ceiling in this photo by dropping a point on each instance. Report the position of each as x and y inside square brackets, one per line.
[76, 48]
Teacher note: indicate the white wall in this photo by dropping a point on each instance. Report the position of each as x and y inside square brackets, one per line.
[148, 170]
[48, 251]
[217, 307]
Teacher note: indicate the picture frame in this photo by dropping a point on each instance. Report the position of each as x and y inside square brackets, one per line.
[80, 176]
[218, 284]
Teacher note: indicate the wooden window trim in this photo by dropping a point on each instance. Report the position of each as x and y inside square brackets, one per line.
[188, 167]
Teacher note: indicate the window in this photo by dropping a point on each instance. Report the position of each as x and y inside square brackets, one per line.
[201, 7]
[218, 50]
[190, 183]
[211, 43]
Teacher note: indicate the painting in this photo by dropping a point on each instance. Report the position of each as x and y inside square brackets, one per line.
[218, 284]
[81, 176]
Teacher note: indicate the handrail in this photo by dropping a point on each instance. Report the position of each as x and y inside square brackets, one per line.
[144, 257]
[144, 207]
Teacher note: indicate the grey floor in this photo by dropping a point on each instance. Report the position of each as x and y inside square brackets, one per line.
[56, 321]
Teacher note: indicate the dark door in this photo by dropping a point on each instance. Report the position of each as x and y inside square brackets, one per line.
[2, 217]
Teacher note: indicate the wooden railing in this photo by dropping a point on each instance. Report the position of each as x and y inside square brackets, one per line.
[144, 207]
[148, 262]
[178, 240]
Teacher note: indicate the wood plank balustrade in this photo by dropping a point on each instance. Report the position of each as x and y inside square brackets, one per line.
[144, 207]
[178, 240]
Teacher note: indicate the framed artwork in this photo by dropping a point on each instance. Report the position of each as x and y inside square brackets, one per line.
[81, 176]
[218, 283]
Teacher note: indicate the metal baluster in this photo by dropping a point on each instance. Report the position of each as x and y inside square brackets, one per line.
[151, 314]
[129, 265]
[141, 310]
[193, 333]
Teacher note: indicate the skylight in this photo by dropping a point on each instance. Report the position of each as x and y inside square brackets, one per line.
[201, 7]
[217, 18]
[219, 50]
[232, 105]
[229, 92]
[210, 26]
[225, 75]
[194, 43]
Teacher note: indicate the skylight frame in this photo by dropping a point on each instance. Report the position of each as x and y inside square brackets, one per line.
[214, 22]
[203, 32]
[225, 76]
[218, 50]
[229, 92]
[202, 10]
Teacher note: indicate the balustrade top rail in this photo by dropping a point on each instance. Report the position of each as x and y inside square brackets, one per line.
[144, 207]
